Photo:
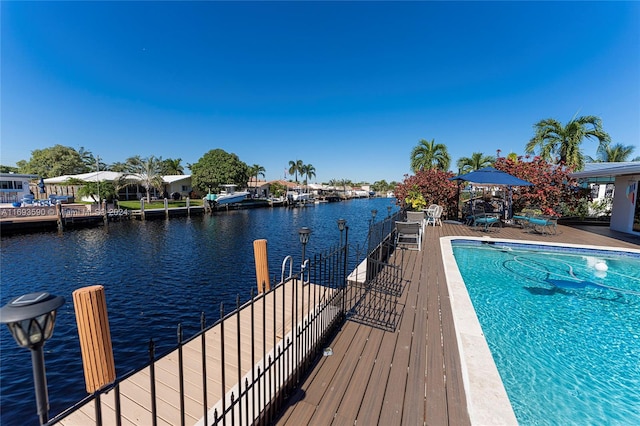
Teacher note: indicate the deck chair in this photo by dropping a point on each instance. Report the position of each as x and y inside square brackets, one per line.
[409, 234]
[544, 224]
[437, 215]
[486, 220]
[476, 211]
[433, 215]
[417, 217]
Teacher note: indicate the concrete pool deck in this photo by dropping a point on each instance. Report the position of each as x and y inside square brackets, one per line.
[413, 374]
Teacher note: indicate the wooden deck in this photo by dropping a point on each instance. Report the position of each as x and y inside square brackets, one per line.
[408, 372]
[226, 365]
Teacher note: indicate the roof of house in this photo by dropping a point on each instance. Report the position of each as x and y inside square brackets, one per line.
[175, 178]
[108, 176]
[18, 176]
[608, 170]
[87, 177]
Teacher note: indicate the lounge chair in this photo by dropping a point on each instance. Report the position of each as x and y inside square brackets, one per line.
[486, 220]
[544, 224]
[409, 234]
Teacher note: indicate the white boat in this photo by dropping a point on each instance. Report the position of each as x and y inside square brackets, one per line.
[298, 196]
[228, 195]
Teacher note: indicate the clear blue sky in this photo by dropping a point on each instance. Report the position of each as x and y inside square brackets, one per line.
[347, 87]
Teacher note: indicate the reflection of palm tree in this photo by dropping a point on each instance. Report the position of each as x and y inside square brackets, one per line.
[429, 155]
[613, 153]
[148, 171]
[475, 162]
[563, 142]
[295, 167]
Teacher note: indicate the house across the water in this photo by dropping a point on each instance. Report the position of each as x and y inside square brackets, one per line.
[174, 186]
[14, 187]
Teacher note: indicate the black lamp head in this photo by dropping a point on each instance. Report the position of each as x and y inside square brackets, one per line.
[31, 317]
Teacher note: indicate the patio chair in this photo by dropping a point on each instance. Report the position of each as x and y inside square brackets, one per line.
[417, 217]
[434, 212]
[409, 234]
[523, 219]
[544, 224]
[475, 212]
[486, 220]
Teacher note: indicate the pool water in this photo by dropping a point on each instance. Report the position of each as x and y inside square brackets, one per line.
[563, 327]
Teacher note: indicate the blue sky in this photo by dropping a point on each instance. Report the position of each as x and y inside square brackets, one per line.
[347, 87]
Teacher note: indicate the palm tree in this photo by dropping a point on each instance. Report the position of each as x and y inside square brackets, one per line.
[475, 162]
[613, 153]
[295, 167]
[90, 161]
[310, 171]
[147, 171]
[118, 167]
[429, 155]
[255, 171]
[563, 142]
[172, 166]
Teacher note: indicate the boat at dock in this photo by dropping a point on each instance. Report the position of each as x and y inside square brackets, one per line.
[297, 196]
[227, 196]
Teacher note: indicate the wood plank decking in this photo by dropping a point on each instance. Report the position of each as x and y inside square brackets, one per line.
[410, 374]
[136, 400]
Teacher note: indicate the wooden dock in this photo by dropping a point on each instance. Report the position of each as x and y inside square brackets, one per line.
[410, 375]
[223, 368]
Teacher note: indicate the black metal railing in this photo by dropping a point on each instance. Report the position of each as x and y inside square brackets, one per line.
[373, 296]
[304, 309]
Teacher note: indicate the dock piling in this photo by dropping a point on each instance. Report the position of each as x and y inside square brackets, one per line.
[262, 265]
[95, 338]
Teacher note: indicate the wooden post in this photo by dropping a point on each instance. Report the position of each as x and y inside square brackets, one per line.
[95, 338]
[105, 217]
[142, 208]
[262, 265]
[188, 207]
[166, 208]
[59, 214]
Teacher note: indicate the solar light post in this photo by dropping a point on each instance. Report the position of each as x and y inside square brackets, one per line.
[341, 225]
[30, 319]
[304, 233]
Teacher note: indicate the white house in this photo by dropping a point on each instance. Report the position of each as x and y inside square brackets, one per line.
[172, 184]
[625, 212]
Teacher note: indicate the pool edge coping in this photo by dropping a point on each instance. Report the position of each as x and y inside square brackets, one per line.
[487, 399]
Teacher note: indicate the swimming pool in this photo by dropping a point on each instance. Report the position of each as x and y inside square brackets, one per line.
[561, 323]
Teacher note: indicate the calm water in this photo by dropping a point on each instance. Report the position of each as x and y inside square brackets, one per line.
[565, 335]
[156, 274]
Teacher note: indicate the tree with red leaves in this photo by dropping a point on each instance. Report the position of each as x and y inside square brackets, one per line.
[426, 187]
[553, 191]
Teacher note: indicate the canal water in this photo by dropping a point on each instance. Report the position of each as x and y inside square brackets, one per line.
[156, 274]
